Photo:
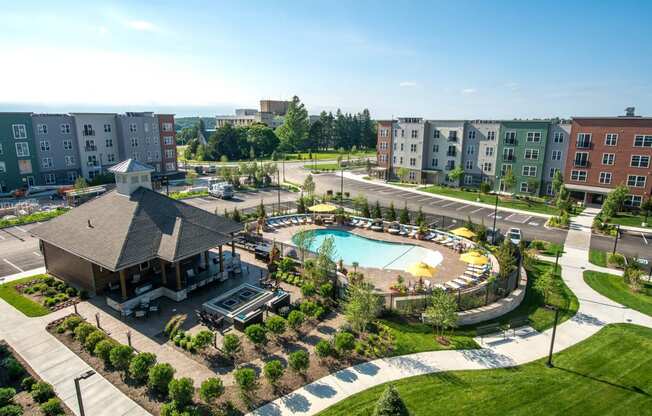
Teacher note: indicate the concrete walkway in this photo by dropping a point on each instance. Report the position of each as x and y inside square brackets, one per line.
[353, 176]
[595, 311]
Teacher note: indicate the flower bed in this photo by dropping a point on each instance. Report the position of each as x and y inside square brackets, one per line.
[49, 292]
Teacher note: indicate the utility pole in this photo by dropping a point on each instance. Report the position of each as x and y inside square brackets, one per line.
[616, 240]
[493, 233]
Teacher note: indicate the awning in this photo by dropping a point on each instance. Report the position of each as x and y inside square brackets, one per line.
[587, 188]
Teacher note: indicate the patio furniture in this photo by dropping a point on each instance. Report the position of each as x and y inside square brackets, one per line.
[518, 322]
[135, 278]
[412, 233]
[143, 289]
[294, 220]
[452, 285]
[125, 313]
[154, 308]
[140, 313]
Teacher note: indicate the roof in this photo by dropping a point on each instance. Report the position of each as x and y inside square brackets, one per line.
[117, 231]
[129, 166]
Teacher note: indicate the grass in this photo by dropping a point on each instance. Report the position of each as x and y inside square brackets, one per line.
[547, 248]
[607, 374]
[631, 220]
[27, 306]
[322, 166]
[186, 195]
[31, 218]
[598, 257]
[289, 156]
[616, 289]
[532, 205]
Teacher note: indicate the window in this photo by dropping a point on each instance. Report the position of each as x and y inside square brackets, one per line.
[400, 160]
[534, 136]
[109, 142]
[413, 148]
[524, 187]
[383, 132]
[583, 140]
[20, 131]
[532, 154]
[168, 140]
[636, 181]
[450, 165]
[1, 150]
[46, 163]
[578, 175]
[170, 166]
[402, 133]
[558, 137]
[556, 155]
[487, 166]
[91, 160]
[22, 149]
[549, 190]
[146, 140]
[468, 179]
[505, 168]
[581, 159]
[134, 141]
[72, 176]
[605, 178]
[508, 154]
[42, 128]
[50, 178]
[110, 158]
[529, 170]
[88, 130]
[491, 135]
[413, 175]
[70, 160]
[510, 137]
[472, 134]
[488, 151]
[149, 155]
[640, 161]
[451, 151]
[552, 172]
[65, 128]
[401, 147]
[132, 127]
[643, 141]
[3, 167]
[436, 134]
[435, 148]
[90, 146]
[107, 128]
[146, 127]
[611, 139]
[413, 161]
[633, 200]
[608, 158]
[394, 159]
[167, 126]
[469, 164]
[45, 146]
[435, 162]
[414, 134]
[470, 150]
[67, 145]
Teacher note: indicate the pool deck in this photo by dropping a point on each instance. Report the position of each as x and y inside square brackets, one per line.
[450, 268]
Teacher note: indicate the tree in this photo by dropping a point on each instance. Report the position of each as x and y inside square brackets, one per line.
[442, 312]
[485, 187]
[403, 174]
[211, 389]
[159, 378]
[294, 130]
[362, 306]
[365, 209]
[563, 199]
[344, 342]
[202, 339]
[140, 365]
[120, 357]
[80, 183]
[506, 259]
[256, 334]
[181, 392]
[646, 207]
[557, 182]
[276, 325]
[390, 404]
[377, 212]
[421, 218]
[544, 284]
[614, 202]
[309, 185]
[273, 371]
[509, 180]
[261, 140]
[325, 261]
[404, 216]
[323, 348]
[304, 240]
[260, 211]
[299, 361]
[246, 380]
[456, 174]
[231, 346]
[295, 319]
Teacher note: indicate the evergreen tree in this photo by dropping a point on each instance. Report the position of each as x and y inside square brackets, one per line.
[421, 218]
[390, 214]
[404, 217]
[390, 404]
[365, 209]
[377, 212]
[294, 131]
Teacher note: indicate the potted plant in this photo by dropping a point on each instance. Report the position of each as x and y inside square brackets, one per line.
[422, 231]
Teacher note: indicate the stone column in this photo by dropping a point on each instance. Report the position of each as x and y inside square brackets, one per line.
[221, 260]
[177, 266]
[164, 274]
[123, 284]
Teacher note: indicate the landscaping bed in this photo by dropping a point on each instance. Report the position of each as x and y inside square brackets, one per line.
[39, 295]
[615, 288]
[31, 393]
[32, 218]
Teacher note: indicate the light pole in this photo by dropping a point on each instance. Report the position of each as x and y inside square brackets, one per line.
[554, 332]
[556, 261]
[83, 376]
[278, 187]
[342, 187]
[616, 240]
[493, 233]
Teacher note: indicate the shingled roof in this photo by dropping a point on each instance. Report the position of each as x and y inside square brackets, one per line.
[117, 231]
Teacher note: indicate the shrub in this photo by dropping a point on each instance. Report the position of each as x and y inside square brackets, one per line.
[140, 365]
[202, 339]
[159, 378]
[6, 395]
[308, 307]
[181, 392]
[49, 302]
[13, 368]
[308, 289]
[256, 334]
[71, 291]
[173, 325]
[11, 410]
[323, 349]
[245, 378]
[103, 350]
[617, 260]
[326, 290]
[295, 319]
[231, 345]
[52, 407]
[27, 383]
[299, 361]
[273, 371]
[120, 357]
[319, 313]
[83, 330]
[93, 339]
[42, 391]
[211, 389]
[276, 325]
[390, 404]
[61, 329]
[72, 322]
[344, 342]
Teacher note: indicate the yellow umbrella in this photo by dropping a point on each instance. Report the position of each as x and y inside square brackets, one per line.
[463, 232]
[473, 257]
[322, 208]
[421, 269]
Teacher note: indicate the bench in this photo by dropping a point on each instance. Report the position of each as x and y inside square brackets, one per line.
[483, 330]
[518, 322]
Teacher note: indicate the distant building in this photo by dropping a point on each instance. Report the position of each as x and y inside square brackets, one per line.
[57, 148]
[140, 139]
[277, 108]
[168, 142]
[18, 163]
[98, 142]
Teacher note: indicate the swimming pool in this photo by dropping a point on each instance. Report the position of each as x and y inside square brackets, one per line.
[374, 253]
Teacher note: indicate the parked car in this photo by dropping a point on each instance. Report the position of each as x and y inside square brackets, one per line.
[514, 235]
[221, 190]
[490, 236]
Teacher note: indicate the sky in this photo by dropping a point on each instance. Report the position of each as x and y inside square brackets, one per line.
[435, 59]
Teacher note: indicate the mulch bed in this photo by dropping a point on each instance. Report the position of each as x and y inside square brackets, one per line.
[39, 298]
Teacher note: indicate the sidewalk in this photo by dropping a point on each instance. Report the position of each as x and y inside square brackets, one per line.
[26, 273]
[595, 311]
[353, 176]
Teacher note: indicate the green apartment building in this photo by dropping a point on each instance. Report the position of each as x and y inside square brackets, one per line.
[18, 162]
[522, 148]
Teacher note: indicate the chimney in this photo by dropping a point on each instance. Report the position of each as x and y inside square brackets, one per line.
[630, 112]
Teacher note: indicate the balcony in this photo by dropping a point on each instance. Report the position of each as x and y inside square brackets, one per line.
[509, 158]
[90, 148]
[452, 138]
[89, 132]
[581, 164]
[451, 154]
[510, 142]
[584, 145]
[91, 163]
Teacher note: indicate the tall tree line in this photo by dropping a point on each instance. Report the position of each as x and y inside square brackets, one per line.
[343, 130]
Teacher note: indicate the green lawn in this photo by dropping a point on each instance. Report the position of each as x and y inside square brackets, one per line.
[547, 248]
[631, 220]
[292, 156]
[533, 205]
[597, 257]
[27, 306]
[31, 218]
[616, 289]
[322, 166]
[607, 374]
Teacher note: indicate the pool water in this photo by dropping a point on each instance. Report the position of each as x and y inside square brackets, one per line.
[374, 253]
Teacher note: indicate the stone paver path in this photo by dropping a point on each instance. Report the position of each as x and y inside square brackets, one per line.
[595, 311]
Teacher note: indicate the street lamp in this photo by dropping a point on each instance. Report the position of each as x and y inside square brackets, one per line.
[82, 376]
[493, 233]
[342, 186]
[616, 240]
[278, 187]
[554, 332]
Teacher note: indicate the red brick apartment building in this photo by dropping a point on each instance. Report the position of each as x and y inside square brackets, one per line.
[605, 152]
[384, 149]
[168, 142]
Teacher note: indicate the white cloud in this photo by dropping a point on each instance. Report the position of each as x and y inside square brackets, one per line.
[142, 25]
[468, 91]
[407, 84]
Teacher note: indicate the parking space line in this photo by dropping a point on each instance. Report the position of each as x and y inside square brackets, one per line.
[461, 208]
[37, 254]
[424, 199]
[527, 219]
[13, 265]
[476, 210]
[508, 217]
[644, 239]
[449, 204]
[21, 229]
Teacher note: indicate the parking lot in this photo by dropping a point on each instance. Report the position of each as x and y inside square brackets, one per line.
[18, 250]
[242, 200]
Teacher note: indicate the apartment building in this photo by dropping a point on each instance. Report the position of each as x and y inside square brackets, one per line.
[605, 152]
[18, 163]
[57, 148]
[556, 153]
[480, 150]
[384, 148]
[408, 138]
[139, 138]
[98, 142]
[168, 142]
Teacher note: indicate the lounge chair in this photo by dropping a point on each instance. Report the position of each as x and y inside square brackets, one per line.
[294, 220]
[413, 233]
[309, 220]
[367, 224]
[403, 232]
[469, 279]
[459, 282]
[452, 285]
[287, 221]
[429, 236]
